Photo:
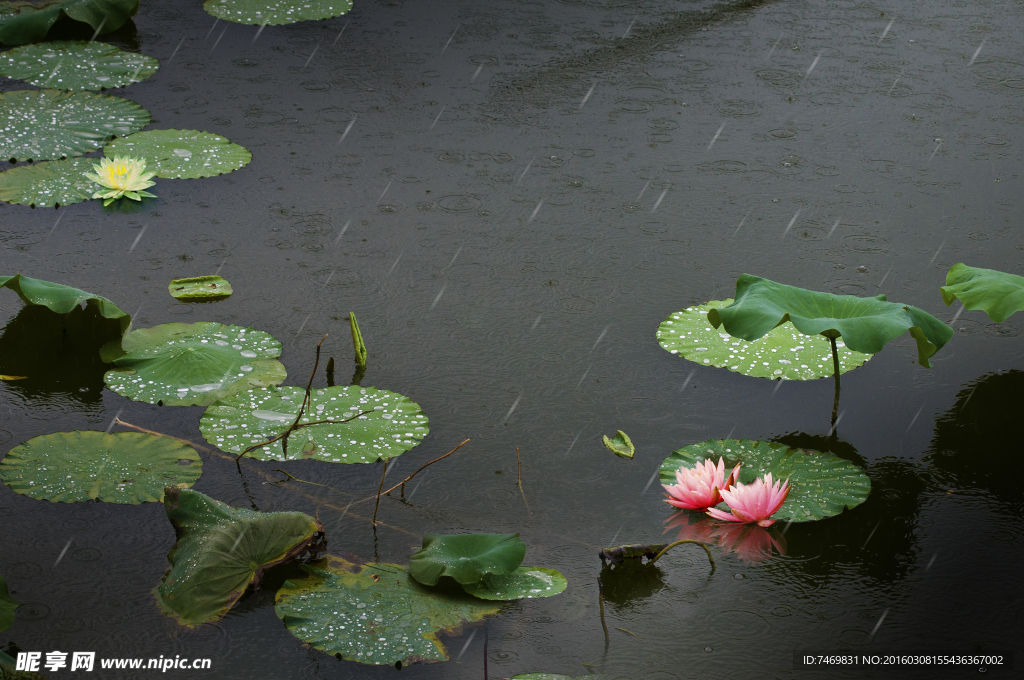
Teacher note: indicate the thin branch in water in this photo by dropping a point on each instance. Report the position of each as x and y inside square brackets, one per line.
[290, 476]
[600, 601]
[377, 506]
[520, 461]
[629, 632]
[402, 483]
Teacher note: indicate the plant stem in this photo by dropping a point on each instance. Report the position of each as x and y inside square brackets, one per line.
[357, 341]
[375, 507]
[330, 372]
[520, 461]
[835, 369]
[600, 601]
[685, 540]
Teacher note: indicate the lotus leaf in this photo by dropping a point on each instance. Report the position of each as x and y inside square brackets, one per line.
[865, 324]
[392, 426]
[8, 664]
[49, 184]
[181, 154]
[48, 124]
[7, 607]
[184, 364]
[221, 550]
[555, 676]
[23, 23]
[524, 583]
[124, 467]
[76, 65]
[373, 613]
[276, 12]
[997, 293]
[200, 288]
[467, 558]
[783, 353]
[63, 299]
[620, 444]
[821, 483]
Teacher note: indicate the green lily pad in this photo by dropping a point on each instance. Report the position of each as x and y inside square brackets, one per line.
[276, 12]
[865, 324]
[821, 483]
[339, 608]
[8, 663]
[997, 293]
[7, 607]
[222, 550]
[63, 299]
[620, 445]
[49, 124]
[783, 353]
[525, 583]
[181, 154]
[393, 425]
[22, 22]
[49, 184]
[467, 558]
[124, 467]
[76, 65]
[184, 364]
[200, 288]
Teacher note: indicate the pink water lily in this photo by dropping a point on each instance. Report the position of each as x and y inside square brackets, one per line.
[700, 487]
[754, 502]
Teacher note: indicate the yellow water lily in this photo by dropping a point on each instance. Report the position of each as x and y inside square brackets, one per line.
[124, 177]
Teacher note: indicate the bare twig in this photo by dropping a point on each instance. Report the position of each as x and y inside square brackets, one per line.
[375, 507]
[629, 632]
[600, 601]
[401, 483]
[520, 461]
[290, 476]
[685, 540]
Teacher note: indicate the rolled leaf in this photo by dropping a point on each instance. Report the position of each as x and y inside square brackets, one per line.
[996, 293]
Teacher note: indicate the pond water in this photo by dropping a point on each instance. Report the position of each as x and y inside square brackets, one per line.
[528, 189]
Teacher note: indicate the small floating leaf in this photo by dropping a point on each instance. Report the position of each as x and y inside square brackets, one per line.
[341, 608]
[185, 364]
[23, 22]
[276, 12]
[620, 445]
[524, 583]
[467, 558]
[63, 299]
[221, 550]
[7, 607]
[200, 288]
[124, 467]
[181, 154]
[996, 293]
[50, 124]
[76, 65]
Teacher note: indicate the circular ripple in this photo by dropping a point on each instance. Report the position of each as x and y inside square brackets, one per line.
[33, 611]
[739, 624]
[458, 203]
[779, 79]
[739, 108]
[575, 305]
[866, 243]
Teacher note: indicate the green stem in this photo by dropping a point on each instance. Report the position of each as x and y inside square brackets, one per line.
[835, 373]
[685, 540]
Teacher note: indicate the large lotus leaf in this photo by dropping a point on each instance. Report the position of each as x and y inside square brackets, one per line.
[393, 425]
[49, 124]
[997, 293]
[783, 353]
[76, 65]
[63, 299]
[821, 483]
[124, 467]
[525, 583]
[467, 558]
[22, 22]
[221, 550]
[373, 613]
[7, 607]
[276, 12]
[181, 154]
[182, 364]
[49, 184]
[198, 288]
[866, 324]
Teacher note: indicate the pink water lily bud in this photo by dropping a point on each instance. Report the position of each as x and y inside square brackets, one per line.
[700, 487]
[754, 502]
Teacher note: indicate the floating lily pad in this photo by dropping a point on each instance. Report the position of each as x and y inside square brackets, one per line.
[22, 22]
[221, 550]
[524, 583]
[997, 293]
[200, 288]
[124, 467]
[49, 184]
[8, 663]
[276, 12]
[783, 353]
[373, 613]
[467, 558]
[7, 607]
[393, 425]
[821, 483]
[181, 154]
[620, 445]
[50, 124]
[185, 364]
[76, 65]
[63, 299]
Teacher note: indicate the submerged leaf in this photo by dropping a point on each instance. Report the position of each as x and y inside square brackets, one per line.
[996, 293]
[182, 154]
[275, 12]
[124, 467]
[373, 613]
[821, 483]
[524, 583]
[63, 299]
[49, 184]
[76, 65]
[7, 607]
[467, 558]
[221, 550]
[783, 353]
[620, 445]
[25, 23]
[200, 288]
[185, 364]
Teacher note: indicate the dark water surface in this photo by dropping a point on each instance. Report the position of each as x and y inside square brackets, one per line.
[899, 157]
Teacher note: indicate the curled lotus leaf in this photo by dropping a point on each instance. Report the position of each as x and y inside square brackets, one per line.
[24, 22]
[200, 288]
[181, 154]
[350, 424]
[620, 444]
[467, 558]
[998, 294]
[183, 364]
[7, 607]
[123, 467]
[374, 613]
[821, 483]
[276, 12]
[525, 583]
[76, 65]
[783, 353]
[62, 299]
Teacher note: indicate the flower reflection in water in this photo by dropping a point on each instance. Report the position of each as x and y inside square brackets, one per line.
[749, 541]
